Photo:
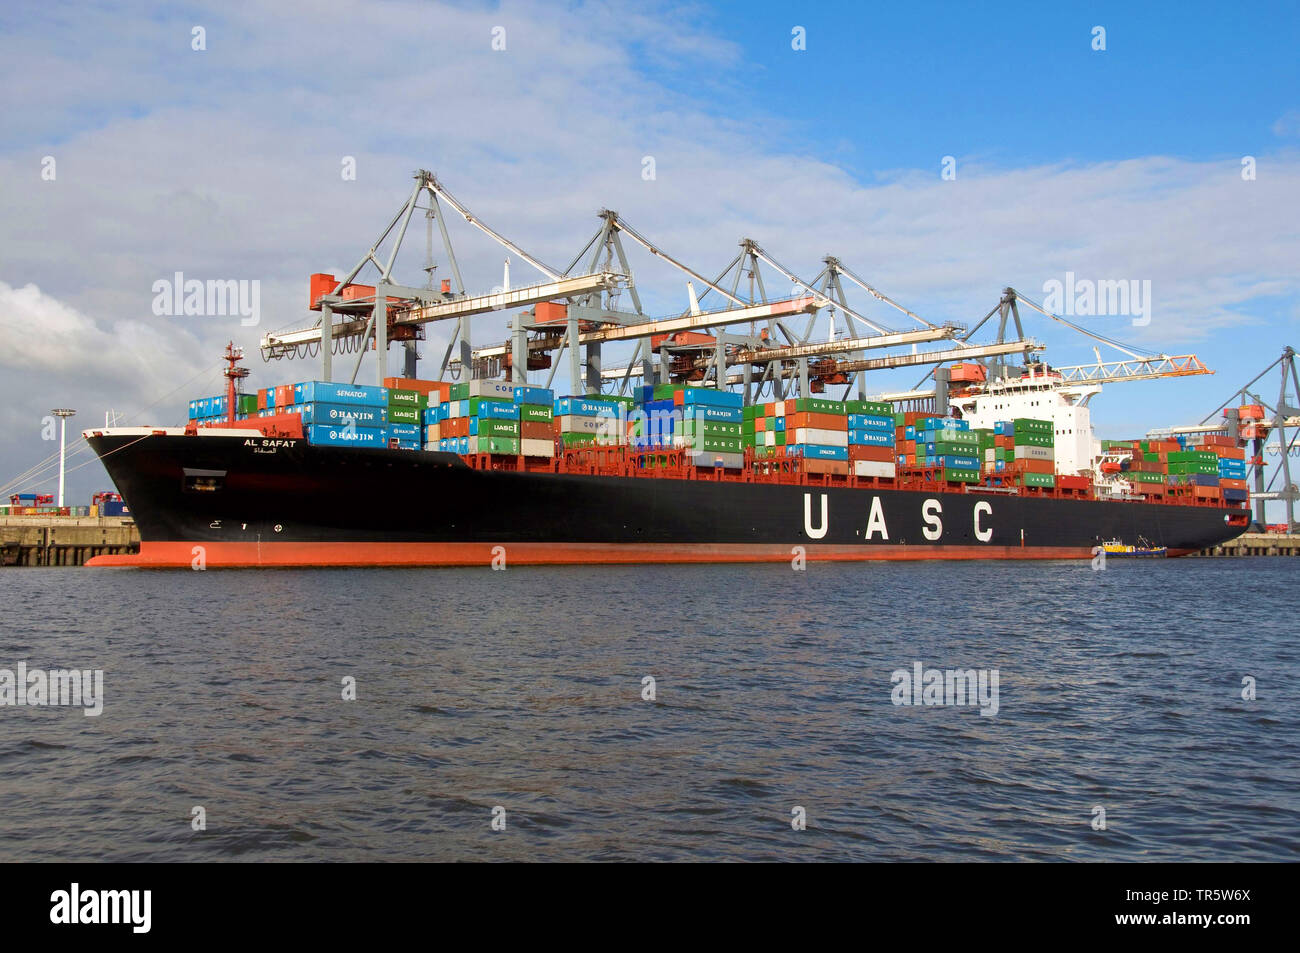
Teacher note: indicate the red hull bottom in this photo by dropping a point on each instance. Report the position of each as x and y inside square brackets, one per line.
[165, 555]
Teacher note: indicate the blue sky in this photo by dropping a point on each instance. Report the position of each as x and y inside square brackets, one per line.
[897, 85]
[1115, 164]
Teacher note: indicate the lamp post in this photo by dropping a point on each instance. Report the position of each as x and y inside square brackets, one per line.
[63, 414]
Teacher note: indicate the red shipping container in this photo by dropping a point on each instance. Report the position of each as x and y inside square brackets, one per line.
[1073, 482]
[877, 454]
[1031, 466]
[535, 430]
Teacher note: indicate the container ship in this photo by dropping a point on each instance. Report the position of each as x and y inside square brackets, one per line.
[510, 475]
[693, 465]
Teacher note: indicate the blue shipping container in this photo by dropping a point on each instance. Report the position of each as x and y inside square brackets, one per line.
[338, 414]
[324, 435]
[497, 410]
[954, 462]
[535, 395]
[713, 398]
[327, 392]
[585, 407]
[733, 415]
[870, 438]
[871, 422]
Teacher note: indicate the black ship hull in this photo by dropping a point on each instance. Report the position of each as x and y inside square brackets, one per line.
[236, 500]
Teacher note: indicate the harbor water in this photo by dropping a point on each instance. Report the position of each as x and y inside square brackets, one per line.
[1147, 711]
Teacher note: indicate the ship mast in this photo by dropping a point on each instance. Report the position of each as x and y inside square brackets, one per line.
[232, 373]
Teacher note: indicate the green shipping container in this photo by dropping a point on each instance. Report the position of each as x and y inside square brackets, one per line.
[961, 476]
[1039, 479]
[535, 412]
[246, 404]
[407, 398]
[459, 391]
[496, 428]
[508, 445]
[720, 444]
[403, 415]
[1031, 425]
[875, 408]
[816, 405]
[711, 428]
[1031, 439]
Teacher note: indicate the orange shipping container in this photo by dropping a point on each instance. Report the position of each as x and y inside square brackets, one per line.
[1232, 484]
[816, 421]
[440, 388]
[455, 427]
[1207, 492]
[840, 467]
[535, 430]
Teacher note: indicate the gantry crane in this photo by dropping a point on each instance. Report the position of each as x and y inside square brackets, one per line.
[1248, 418]
[750, 341]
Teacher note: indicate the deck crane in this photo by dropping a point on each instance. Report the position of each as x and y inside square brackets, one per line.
[1249, 418]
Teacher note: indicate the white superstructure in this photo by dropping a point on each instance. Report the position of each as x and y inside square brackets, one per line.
[1044, 397]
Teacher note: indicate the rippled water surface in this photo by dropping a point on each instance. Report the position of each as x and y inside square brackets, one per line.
[523, 689]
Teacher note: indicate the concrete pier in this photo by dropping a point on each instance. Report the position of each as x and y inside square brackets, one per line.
[64, 540]
[1256, 544]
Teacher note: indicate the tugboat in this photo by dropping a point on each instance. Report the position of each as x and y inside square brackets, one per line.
[1144, 547]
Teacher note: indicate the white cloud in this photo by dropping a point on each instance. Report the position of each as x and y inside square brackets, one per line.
[1287, 125]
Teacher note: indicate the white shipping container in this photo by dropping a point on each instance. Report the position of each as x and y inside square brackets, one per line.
[826, 438]
[572, 423]
[1035, 453]
[874, 468]
[537, 448]
[769, 438]
[492, 389]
